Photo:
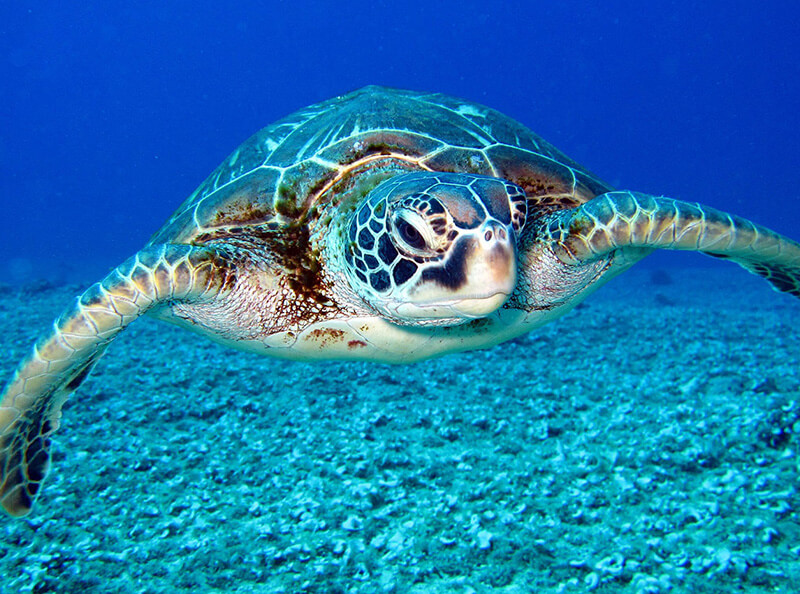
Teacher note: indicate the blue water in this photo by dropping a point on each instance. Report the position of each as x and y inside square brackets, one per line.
[645, 443]
[114, 112]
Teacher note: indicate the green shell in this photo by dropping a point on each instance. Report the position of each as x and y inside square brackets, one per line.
[282, 172]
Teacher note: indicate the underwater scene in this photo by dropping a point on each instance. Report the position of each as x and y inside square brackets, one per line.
[647, 442]
[506, 421]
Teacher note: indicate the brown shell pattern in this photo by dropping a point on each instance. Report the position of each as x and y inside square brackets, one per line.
[284, 172]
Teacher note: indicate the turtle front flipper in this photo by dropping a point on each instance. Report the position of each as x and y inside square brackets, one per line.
[30, 407]
[619, 220]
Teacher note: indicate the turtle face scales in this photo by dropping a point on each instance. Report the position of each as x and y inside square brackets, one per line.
[436, 248]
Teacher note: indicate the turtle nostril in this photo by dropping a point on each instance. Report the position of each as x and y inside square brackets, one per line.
[495, 232]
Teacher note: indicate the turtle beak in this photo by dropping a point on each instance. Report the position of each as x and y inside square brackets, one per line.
[491, 272]
[477, 278]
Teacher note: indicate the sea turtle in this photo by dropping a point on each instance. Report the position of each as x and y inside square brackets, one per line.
[385, 225]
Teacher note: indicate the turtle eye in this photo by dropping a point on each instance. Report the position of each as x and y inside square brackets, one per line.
[409, 234]
[408, 227]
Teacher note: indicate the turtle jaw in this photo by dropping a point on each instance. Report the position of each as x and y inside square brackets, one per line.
[480, 307]
[454, 312]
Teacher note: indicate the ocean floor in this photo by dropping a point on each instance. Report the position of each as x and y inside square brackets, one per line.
[647, 442]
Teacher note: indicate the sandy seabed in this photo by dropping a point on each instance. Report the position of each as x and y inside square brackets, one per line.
[647, 442]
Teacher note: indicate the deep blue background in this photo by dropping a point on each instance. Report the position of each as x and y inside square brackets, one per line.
[112, 114]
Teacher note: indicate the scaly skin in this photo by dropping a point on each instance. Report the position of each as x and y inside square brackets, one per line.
[621, 220]
[30, 409]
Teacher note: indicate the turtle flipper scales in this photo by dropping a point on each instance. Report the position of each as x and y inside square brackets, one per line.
[30, 406]
[620, 220]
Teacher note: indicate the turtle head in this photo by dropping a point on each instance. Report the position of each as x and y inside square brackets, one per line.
[436, 248]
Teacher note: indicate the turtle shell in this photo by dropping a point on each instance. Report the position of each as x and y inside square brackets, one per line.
[283, 173]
